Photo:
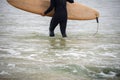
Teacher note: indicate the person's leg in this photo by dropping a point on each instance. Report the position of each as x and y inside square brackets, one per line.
[52, 27]
[63, 24]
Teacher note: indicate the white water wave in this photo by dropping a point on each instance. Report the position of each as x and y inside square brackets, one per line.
[4, 73]
[109, 75]
[10, 51]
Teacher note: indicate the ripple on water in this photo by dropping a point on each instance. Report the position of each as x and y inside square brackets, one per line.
[4, 73]
[11, 66]
[10, 51]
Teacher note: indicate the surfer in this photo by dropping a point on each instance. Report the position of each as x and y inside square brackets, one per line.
[59, 17]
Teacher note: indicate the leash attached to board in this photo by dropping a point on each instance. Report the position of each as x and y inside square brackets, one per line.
[97, 26]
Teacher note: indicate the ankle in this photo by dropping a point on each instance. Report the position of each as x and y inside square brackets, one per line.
[64, 36]
[51, 34]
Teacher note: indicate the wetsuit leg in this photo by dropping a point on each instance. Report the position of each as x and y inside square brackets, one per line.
[52, 27]
[63, 24]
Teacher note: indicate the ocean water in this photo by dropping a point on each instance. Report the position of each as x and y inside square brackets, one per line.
[28, 53]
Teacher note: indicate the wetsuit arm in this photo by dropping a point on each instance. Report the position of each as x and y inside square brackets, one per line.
[52, 3]
[71, 1]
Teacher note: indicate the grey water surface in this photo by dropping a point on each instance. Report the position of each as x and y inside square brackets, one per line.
[28, 53]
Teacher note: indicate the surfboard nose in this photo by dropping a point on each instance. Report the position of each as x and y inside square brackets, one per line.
[97, 14]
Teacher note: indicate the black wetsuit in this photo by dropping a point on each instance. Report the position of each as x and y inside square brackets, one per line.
[60, 15]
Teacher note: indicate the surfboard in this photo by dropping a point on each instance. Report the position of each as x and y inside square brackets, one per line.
[76, 11]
